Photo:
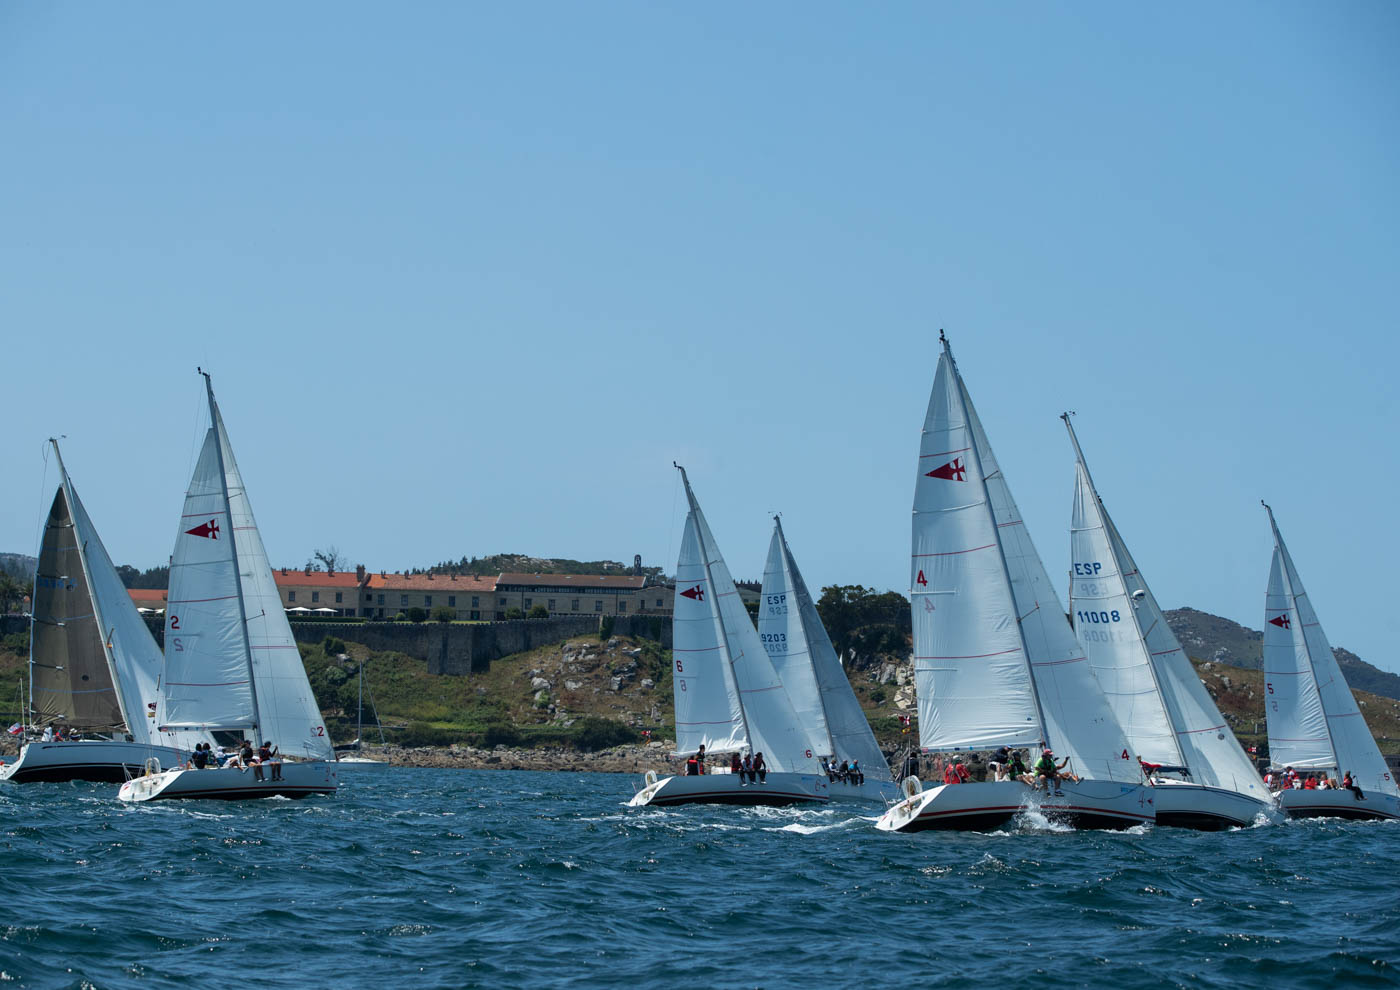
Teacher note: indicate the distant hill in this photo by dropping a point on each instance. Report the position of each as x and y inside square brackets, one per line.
[519, 563]
[18, 565]
[1210, 638]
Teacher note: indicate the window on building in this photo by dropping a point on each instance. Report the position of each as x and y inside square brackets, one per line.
[476, 601]
[338, 598]
[575, 605]
[500, 601]
[452, 601]
[291, 596]
[658, 603]
[315, 597]
[597, 604]
[529, 602]
[476, 616]
[427, 601]
[551, 604]
[381, 602]
[403, 599]
[622, 606]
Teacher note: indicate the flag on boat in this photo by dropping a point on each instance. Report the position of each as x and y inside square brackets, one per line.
[15, 729]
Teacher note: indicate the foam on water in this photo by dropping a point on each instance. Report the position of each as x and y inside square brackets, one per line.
[475, 878]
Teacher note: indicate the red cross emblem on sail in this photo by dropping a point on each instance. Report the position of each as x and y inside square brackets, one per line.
[1281, 621]
[952, 471]
[695, 594]
[209, 530]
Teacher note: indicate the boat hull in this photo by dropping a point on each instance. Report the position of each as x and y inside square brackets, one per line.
[1302, 803]
[101, 760]
[299, 780]
[976, 807]
[728, 788]
[882, 791]
[1182, 805]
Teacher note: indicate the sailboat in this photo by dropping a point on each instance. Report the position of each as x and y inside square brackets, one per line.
[1314, 722]
[352, 754]
[817, 686]
[995, 661]
[93, 664]
[231, 664]
[1201, 777]
[728, 697]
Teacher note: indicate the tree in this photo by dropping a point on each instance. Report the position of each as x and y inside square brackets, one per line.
[861, 620]
[444, 613]
[416, 614]
[331, 558]
[514, 613]
[12, 592]
[538, 612]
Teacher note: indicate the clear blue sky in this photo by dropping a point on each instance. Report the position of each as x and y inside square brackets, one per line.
[470, 277]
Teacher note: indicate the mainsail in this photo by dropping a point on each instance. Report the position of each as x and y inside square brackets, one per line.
[1314, 722]
[995, 661]
[230, 659]
[806, 663]
[1165, 711]
[727, 694]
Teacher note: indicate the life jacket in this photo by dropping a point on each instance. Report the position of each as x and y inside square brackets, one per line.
[692, 767]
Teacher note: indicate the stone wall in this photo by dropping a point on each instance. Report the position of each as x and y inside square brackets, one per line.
[449, 647]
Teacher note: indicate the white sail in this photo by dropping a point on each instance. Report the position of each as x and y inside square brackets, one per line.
[806, 663]
[230, 659]
[707, 701]
[970, 667]
[1314, 722]
[767, 719]
[1165, 711]
[996, 661]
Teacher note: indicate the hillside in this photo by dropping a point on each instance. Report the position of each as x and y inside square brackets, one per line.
[1209, 637]
[519, 563]
[18, 565]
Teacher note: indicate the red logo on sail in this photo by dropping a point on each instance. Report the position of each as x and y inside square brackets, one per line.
[209, 530]
[952, 471]
[695, 594]
[1281, 621]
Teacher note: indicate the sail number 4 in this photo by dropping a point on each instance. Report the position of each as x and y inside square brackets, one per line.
[1095, 618]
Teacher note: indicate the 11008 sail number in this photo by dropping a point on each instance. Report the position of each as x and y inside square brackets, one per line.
[1098, 618]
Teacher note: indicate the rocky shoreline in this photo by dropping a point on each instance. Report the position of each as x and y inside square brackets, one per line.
[619, 759]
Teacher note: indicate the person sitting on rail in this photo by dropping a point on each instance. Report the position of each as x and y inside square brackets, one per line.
[1349, 782]
[760, 768]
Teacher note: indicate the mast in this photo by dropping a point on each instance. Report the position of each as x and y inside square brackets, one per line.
[92, 595]
[723, 639]
[214, 424]
[1001, 549]
[790, 566]
[1284, 561]
[1113, 540]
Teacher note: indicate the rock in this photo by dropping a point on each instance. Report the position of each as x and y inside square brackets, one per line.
[1225, 682]
[541, 697]
[616, 683]
[887, 673]
[647, 682]
[612, 643]
[539, 684]
[573, 685]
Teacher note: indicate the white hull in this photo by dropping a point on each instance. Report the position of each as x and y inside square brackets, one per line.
[729, 788]
[363, 762]
[995, 804]
[231, 784]
[1302, 803]
[1187, 805]
[102, 760]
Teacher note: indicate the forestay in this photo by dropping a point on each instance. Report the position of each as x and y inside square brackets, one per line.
[1165, 711]
[807, 664]
[766, 716]
[1314, 722]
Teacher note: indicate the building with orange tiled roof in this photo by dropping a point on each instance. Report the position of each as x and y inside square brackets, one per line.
[581, 594]
[152, 599]
[386, 594]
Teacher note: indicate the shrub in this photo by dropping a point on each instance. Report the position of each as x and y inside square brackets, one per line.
[605, 627]
[333, 646]
[538, 612]
[416, 614]
[592, 733]
[444, 613]
[514, 613]
[400, 617]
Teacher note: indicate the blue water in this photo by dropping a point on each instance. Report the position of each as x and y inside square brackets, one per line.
[451, 878]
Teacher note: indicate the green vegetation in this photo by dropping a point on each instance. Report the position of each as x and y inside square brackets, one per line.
[151, 577]
[864, 624]
[443, 613]
[514, 613]
[520, 563]
[605, 628]
[538, 612]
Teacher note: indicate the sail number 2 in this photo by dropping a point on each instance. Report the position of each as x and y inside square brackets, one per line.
[1096, 618]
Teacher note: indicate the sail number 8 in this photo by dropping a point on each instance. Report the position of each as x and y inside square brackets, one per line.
[1096, 618]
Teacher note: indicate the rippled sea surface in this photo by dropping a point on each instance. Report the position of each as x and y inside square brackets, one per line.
[452, 878]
